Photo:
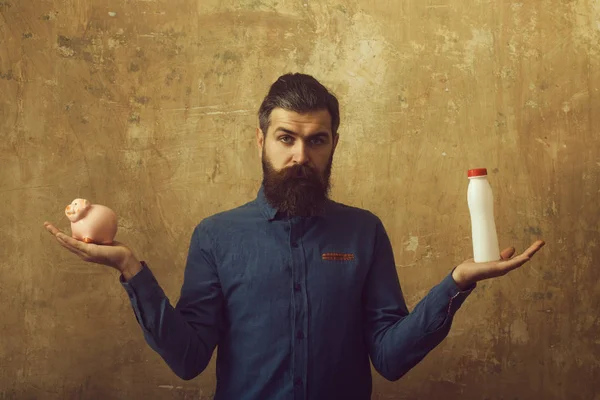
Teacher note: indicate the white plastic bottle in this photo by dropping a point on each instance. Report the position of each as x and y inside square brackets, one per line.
[481, 207]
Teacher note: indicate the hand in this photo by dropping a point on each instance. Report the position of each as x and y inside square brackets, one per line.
[469, 272]
[115, 255]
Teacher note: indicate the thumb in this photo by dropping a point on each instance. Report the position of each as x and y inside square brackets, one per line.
[507, 253]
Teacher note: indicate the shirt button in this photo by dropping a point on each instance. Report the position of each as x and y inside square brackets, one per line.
[296, 287]
[294, 244]
[300, 335]
[298, 381]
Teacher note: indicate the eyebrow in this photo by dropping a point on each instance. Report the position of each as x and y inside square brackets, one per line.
[289, 132]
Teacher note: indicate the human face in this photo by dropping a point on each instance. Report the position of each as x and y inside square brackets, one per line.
[294, 138]
[297, 154]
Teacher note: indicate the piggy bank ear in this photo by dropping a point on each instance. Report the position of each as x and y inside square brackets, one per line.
[85, 204]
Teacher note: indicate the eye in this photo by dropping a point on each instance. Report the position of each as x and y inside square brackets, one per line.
[287, 139]
[318, 141]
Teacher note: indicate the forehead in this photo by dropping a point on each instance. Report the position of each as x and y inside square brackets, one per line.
[301, 123]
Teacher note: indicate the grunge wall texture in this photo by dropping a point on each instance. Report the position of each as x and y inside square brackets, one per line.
[149, 107]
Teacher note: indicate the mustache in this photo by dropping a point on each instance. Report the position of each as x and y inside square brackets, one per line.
[298, 171]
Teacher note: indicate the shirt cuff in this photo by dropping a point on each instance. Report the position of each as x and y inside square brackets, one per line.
[142, 285]
[453, 294]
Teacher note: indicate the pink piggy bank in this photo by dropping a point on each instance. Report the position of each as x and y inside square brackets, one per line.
[91, 223]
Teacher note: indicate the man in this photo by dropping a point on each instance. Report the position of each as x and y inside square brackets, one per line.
[298, 291]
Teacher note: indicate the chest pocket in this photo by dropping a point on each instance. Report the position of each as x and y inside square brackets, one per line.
[338, 256]
[336, 269]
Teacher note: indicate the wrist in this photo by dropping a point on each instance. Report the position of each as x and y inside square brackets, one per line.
[130, 267]
[461, 282]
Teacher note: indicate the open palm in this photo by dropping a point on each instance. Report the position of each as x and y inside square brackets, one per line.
[114, 255]
[469, 272]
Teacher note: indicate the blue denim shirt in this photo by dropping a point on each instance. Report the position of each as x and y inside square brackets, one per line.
[297, 306]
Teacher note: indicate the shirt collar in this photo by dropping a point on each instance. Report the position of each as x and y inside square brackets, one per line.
[270, 212]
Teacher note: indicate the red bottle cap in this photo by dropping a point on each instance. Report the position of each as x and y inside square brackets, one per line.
[477, 172]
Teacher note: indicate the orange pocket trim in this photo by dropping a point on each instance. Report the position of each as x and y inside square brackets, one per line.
[338, 256]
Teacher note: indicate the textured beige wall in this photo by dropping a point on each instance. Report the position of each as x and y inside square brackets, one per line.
[148, 106]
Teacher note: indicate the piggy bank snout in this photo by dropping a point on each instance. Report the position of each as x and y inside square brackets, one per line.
[70, 210]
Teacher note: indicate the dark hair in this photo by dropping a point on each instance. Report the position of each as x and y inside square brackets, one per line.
[299, 93]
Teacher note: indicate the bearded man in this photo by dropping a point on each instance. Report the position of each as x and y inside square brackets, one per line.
[300, 293]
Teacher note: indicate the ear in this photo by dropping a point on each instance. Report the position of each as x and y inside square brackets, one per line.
[260, 141]
[336, 138]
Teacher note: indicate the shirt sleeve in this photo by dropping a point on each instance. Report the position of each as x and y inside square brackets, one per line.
[399, 340]
[185, 336]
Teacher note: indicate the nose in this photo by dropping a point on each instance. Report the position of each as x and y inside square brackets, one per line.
[300, 153]
[68, 208]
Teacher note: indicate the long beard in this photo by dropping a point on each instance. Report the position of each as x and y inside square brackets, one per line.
[298, 190]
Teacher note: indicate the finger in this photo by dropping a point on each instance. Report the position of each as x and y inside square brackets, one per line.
[71, 241]
[510, 264]
[534, 248]
[507, 253]
[51, 228]
[72, 249]
[513, 263]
